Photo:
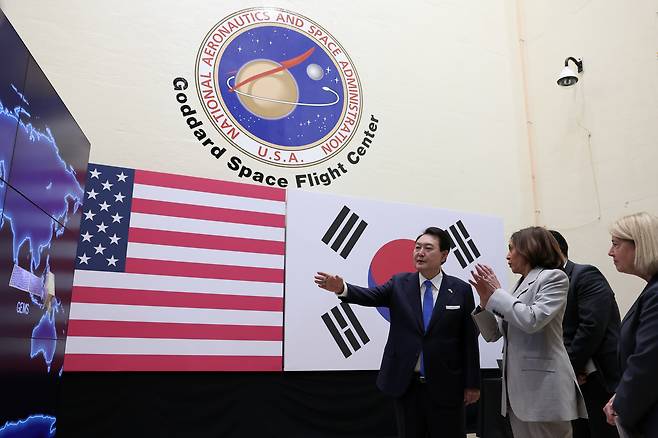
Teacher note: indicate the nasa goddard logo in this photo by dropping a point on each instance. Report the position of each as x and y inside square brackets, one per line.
[278, 87]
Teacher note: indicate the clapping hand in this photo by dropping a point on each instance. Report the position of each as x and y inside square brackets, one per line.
[485, 282]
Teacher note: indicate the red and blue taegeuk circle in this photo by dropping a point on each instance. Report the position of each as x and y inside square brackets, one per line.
[391, 258]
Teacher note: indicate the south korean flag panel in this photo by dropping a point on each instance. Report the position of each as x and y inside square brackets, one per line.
[366, 242]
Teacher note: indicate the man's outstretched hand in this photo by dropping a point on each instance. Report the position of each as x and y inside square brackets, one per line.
[332, 283]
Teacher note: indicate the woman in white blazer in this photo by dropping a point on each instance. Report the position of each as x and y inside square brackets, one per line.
[540, 391]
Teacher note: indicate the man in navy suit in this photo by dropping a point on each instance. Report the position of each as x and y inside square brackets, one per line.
[431, 364]
[591, 334]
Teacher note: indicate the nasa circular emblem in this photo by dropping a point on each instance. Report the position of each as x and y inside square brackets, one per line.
[279, 87]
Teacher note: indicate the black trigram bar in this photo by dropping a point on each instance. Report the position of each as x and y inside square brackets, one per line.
[462, 244]
[342, 330]
[345, 231]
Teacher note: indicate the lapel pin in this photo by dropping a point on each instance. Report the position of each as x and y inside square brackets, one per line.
[449, 290]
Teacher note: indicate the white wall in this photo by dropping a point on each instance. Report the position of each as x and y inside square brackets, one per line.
[464, 90]
[596, 143]
[443, 78]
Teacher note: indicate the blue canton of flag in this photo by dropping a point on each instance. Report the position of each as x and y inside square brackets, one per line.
[105, 219]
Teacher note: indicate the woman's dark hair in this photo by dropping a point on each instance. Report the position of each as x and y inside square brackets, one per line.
[538, 246]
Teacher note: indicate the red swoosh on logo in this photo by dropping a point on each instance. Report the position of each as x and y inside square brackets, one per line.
[285, 65]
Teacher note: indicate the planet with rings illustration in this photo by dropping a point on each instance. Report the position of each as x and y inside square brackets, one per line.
[268, 89]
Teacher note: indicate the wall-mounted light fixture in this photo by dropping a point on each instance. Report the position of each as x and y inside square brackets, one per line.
[567, 76]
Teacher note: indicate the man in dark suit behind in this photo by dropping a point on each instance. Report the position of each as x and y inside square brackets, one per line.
[591, 333]
[432, 368]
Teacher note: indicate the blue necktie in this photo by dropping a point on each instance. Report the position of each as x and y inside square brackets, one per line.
[428, 307]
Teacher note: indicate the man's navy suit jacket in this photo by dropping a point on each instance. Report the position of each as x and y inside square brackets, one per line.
[591, 322]
[450, 345]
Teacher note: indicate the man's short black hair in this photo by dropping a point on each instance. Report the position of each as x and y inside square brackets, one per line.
[564, 247]
[442, 235]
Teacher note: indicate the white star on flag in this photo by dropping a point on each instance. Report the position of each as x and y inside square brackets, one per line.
[95, 173]
[107, 185]
[86, 237]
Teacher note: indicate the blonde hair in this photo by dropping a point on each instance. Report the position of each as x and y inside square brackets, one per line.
[642, 229]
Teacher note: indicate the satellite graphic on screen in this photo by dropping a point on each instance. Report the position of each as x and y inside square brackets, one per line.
[43, 161]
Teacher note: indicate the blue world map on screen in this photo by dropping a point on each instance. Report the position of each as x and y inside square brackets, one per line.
[55, 183]
[34, 426]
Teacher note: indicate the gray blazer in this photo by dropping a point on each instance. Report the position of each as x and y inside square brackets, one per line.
[537, 373]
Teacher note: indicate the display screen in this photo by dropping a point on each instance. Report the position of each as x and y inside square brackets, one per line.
[33, 246]
[51, 152]
[14, 60]
[33, 317]
[43, 162]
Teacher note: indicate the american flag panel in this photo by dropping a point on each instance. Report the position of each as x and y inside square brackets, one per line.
[177, 273]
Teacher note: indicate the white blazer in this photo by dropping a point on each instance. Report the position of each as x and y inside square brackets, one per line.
[537, 374]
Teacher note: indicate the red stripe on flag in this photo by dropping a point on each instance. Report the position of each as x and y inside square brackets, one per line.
[170, 330]
[196, 300]
[203, 270]
[204, 212]
[208, 185]
[191, 240]
[125, 362]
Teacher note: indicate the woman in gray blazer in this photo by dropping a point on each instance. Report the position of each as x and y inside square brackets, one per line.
[540, 390]
[634, 407]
